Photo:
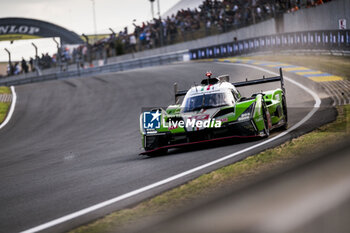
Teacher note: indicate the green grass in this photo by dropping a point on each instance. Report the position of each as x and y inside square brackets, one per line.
[3, 110]
[4, 107]
[229, 176]
[5, 90]
[336, 65]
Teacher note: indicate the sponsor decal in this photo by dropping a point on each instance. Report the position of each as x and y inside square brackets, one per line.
[152, 120]
[342, 23]
[18, 29]
[200, 117]
[193, 123]
[223, 119]
[173, 126]
[244, 117]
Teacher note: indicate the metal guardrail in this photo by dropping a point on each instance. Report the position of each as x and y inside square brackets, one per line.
[331, 40]
[113, 67]
[322, 40]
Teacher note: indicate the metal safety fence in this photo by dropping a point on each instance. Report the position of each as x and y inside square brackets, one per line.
[315, 40]
[332, 40]
[113, 67]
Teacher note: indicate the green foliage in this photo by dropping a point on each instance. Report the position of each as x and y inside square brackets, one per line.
[4, 107]
[5, 90]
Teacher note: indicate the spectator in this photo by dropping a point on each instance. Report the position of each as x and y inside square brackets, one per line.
[31, 64]
[133, 42]
[24, 66]
[17, 69]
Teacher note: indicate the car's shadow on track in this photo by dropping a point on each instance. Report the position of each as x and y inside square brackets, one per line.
[203, 146]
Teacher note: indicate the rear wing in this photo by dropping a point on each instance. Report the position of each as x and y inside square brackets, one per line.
[263, 80]
[240, 84]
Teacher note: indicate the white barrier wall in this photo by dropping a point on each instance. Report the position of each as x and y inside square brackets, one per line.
[260, 29]
[323, 17]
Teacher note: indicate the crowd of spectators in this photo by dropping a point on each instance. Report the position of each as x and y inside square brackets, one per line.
[211, 17]
[44, 62]
[20, 67]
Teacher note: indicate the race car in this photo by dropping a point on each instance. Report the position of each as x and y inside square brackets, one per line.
[214, 110]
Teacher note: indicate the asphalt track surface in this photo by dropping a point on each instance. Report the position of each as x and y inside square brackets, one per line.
[74, 143]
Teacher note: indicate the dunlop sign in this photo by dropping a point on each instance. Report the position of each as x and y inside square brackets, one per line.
[18, 29]
[21, 28]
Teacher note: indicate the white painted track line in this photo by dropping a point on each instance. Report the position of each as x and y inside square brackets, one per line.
[178, 176]
[12, 108]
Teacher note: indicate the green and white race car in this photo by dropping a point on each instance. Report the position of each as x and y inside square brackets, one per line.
[214, 110]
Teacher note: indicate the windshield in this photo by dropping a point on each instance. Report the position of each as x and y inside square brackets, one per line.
[205, 101]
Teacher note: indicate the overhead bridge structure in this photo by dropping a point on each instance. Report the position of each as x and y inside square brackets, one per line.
[24, 28]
